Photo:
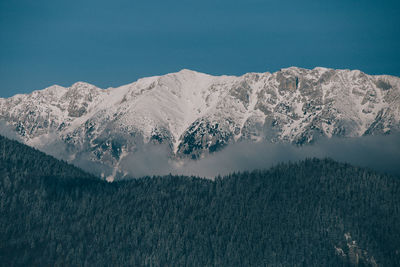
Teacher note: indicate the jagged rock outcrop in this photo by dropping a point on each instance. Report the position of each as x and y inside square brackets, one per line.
[194, 114]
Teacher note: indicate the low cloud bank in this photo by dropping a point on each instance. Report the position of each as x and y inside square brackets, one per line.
[9, 132]
[381, 153]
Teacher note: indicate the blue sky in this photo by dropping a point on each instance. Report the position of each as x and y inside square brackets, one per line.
[110, 43]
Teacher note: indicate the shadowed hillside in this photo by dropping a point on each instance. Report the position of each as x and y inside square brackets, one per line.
[18, 160]
[311, 213]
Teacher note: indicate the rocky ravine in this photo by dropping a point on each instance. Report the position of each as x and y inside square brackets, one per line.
[194, 114]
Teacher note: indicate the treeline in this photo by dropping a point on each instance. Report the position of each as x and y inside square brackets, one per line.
[311, 213]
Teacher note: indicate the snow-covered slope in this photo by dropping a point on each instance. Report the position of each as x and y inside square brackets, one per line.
[194, 114]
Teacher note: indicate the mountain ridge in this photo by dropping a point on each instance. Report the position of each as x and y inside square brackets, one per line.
[194, 114]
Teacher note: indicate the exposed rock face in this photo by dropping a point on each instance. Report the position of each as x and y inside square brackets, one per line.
[194, 114]
[205, 137]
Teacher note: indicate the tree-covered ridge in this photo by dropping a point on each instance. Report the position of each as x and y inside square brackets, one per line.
[311, 213]
[19, 159]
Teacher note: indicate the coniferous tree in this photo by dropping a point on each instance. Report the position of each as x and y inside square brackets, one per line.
[312, 213]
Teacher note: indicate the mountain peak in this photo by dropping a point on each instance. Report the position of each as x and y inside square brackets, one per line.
[53, 89]
[193, 114]
[188, 71]
[81, 84]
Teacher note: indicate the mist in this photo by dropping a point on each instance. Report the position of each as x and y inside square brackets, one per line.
[380, 153]
[7, 131]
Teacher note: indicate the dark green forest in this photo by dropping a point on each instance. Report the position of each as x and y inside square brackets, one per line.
[316, 212]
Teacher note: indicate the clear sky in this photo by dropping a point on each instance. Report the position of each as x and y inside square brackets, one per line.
[110, 43]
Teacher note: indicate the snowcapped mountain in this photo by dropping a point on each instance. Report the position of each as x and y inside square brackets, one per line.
[194, 113]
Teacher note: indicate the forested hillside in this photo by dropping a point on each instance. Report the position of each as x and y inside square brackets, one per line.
[19, 160]
[311, 213]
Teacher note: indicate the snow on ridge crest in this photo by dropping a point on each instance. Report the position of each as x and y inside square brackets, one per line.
[194, 113]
